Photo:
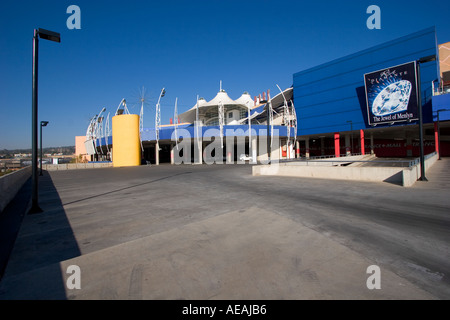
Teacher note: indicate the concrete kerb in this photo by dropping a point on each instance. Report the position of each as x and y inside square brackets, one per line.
[11, 183]
[403, 176]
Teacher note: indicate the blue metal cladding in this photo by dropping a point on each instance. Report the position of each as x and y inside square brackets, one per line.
[165, 133]
[103, 141]
[441, 102]
[257, 110]
[327, 97]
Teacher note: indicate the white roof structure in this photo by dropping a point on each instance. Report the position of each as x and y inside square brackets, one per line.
[222, 96]
[245, 100]
[279, 98]
[201, 102]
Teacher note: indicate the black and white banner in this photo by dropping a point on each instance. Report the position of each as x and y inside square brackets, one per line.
[391, 94]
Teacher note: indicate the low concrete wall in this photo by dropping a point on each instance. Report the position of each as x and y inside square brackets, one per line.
[73, 166]
[390, 174]
[330, 162]
[410, 175]
[11, 183]
[404, 176]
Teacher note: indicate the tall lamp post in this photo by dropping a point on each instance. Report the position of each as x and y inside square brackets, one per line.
[43, 124]
[52, 36]
[439, 131]
[419, 103]
[351, 135]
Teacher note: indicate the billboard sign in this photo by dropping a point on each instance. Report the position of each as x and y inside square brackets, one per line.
[391, 94]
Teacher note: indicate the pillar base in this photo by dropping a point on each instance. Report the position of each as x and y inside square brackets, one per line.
[35, 209]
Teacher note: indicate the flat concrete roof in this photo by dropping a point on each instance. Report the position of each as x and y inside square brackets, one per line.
[212, 232]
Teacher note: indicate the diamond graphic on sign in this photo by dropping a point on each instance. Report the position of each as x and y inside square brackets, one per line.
[391, 95]
[392, 99]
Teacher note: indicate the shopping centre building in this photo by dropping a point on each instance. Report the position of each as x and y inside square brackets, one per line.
[221, 130]
[366, 102]
[331, 100]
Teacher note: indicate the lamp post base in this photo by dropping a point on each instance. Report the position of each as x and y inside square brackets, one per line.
[35, 209]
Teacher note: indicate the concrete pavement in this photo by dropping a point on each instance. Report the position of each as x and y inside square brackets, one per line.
[217, 232]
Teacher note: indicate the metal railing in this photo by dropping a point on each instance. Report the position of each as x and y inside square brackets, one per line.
[333, 156]
[13, 164]
[339, 161]
[440, 88]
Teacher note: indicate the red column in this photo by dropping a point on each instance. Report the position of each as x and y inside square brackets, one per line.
[337, 146]
[363, 150]
[436, 137]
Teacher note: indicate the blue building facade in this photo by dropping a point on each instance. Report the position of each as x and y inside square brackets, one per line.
[330, 96]
[331, 114]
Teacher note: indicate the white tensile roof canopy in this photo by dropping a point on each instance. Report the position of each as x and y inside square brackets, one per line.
[244, 101]
[221, 97]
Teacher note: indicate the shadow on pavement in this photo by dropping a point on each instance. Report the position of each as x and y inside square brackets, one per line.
[44, 240]
[10, 220]
[126, 188]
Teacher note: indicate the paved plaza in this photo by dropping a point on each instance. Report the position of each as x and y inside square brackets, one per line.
[217, 232]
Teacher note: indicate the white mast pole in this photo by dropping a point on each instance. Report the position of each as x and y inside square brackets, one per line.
[287, 120]
[250, 152]
[175, 119]
[99, 129]
[141, 123]
[158, 124]
[199, 142]
[294, 116]
[106, 132]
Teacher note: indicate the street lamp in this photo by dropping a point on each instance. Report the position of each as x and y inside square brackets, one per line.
[419, 103]
[439, 131]
[43, 124]
[52, 36]
[351, 135]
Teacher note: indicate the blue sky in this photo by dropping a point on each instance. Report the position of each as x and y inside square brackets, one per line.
[188, 47]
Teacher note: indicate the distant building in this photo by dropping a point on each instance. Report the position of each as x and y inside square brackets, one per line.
[332, 107]
[234, 122]
[22, 155]
[366, 102]
[80, 149]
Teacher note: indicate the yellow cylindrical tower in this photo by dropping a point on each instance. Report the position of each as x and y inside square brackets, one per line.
[126, 141]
